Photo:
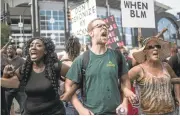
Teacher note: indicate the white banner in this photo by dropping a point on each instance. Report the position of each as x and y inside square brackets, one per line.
[81, 16]
[138, 13]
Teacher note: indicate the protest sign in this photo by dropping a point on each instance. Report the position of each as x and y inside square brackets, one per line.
[81, 16]
[138, 13]
[114, 38]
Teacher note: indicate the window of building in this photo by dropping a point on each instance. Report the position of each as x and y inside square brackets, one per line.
[170, 34]
[52, 20]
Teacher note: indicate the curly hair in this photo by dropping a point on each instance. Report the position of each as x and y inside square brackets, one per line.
[49, 59]
[72, 47]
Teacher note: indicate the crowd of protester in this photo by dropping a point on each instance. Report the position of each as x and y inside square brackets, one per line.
[92, 79]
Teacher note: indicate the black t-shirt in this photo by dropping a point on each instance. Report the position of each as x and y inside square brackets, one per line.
[41, 97]
[175, 64]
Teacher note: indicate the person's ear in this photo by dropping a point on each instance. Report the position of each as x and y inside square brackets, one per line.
[91, 33]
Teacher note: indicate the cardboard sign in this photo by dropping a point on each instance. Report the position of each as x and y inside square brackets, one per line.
[138, 13]
[114, 38]
[81, 16]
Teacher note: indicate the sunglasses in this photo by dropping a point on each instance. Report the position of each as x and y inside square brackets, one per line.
[152, 47]
[100, 26]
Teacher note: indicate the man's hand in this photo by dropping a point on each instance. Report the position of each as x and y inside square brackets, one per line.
[85, 111]
[66, 96]
[178, 102]
[8, 71]
[122, 109]
[131, 96]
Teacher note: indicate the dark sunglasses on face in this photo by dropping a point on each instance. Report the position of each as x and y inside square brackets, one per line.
[155, 46]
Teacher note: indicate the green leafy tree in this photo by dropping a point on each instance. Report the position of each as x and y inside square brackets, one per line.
[5, 31]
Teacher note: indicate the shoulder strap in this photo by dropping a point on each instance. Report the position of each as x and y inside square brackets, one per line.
[119, 60]
[84, 65]
[178, 56]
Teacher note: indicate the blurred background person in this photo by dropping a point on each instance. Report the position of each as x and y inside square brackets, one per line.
[72, 50]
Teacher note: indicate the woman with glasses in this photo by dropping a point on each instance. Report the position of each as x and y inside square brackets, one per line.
[154, 77]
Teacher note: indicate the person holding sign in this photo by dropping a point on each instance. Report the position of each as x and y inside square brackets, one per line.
[154, 77]
[105, 72]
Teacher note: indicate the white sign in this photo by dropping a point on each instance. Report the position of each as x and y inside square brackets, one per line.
[138, 13]
[81, 16]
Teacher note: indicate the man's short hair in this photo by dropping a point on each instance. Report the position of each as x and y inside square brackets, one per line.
[89, 28]
[13, 47]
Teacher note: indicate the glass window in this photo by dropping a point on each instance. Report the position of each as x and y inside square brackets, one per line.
[55, 13]
[42, 18]
[49, 27]
[62, 27]
[49, 34]
[42, 13]
[55, 27]
[58, 39]
[62, 34]
[56, 23]
[62, 39]
[43, 27]
[61, 14]
[42, 23]
[48, 17]
[43, 34]
[48, 13]
[170, 34]
[61, 18]
[55, 17]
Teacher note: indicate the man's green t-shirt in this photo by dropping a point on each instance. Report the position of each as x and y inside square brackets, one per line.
[102, 92]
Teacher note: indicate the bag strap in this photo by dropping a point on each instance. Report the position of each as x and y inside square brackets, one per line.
[119, 61]
[178, 56]
[85, 62]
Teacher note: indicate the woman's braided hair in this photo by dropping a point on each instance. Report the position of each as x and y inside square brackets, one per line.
[50, 58]
[72, 47]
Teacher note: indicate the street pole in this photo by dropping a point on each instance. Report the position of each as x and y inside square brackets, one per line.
[23, 22]
[122, 32]
[107, 8]
[35, 18]
[66, 23]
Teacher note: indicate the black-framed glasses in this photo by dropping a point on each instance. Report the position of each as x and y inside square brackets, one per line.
[152, 47]
[100, 26]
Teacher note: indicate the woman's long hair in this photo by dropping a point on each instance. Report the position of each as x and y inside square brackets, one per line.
[50, 58]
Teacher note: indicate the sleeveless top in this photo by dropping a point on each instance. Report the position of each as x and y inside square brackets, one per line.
[41, 97]
[155, 93]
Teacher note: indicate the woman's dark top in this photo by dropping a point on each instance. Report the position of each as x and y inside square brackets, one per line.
[41, 97]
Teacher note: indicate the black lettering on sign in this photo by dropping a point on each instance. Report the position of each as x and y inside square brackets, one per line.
[81, 32]
[138, 8]
[136, 5]
[82, 23]
[138, 14]
[132, 14]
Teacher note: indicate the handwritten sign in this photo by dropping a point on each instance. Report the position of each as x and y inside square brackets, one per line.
[114, 38]
[81, 16]
[138, 13]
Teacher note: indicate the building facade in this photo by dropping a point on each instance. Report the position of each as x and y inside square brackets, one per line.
[51, 21]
